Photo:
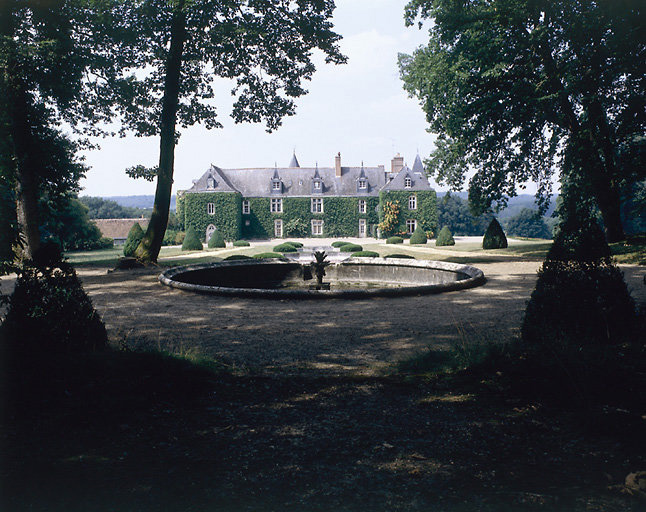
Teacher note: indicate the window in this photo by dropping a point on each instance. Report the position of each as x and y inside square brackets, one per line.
[210, 182]
[276, 205]
[412, 203]
[245, 207]
[411, 225]
[317, 205]
[317, 227]
[362, 206]
[210, 208]
[408, 183]
[317, 185]
[363, 183]
[275, 185]
[278, 228]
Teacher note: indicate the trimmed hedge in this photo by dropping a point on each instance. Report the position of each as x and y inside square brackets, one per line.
[286, 247]
[395, 240]
[339, 243]
[351, 248]
[241, 243]
[494, 237]
[132, 242]
[267, 255]
[365, 254]
[192, 241]
[445, 238]
[419, 236]
[216, 241]
[298, 245]
[234, 257]
[402, 256]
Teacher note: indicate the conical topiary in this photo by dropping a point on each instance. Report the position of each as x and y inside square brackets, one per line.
[216, 241]
[494, 237]
[132, 242]
[418, 237]
[191, 241]
[445, 237]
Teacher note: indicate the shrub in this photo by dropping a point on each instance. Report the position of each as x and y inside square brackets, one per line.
[179, 237]
[105, 243]
[494, 237]
[419, 236]
[445, 238]
[241, 243]
[403, 256]
[365, 254]
[132, 241]
[191, 241]
[49, 312]
[298, 245]
[395, 240]
[339, 243]
[216, 241]
[234, 257]
[169, 237]
[267, 255]
[351, 248]
[285, 247]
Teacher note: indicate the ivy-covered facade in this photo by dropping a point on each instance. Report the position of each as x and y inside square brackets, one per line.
[297, 201]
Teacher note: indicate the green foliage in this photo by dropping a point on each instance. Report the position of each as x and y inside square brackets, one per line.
[170, 237]
[454, 212]
[350, 248]
[227, 218]
[241, 243]
[99, 208]
[179, 237]
[365, 254]
[216, 241]
[444, 238]
[295, 227]
[267, 255]
[192, 241]
[389, 218]
[402, 256]
[494, 237]
[132, 241]
[285, 247]
[49, 312]
[425, 214]
[528, 223]
[339, 243]
[235, 257]
[298, 245]
[395, 240]
[418, 237]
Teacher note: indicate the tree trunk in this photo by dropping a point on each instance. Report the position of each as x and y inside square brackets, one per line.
[148, 250]
[608, 199]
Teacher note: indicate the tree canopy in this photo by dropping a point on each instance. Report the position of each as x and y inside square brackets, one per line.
[516, 89]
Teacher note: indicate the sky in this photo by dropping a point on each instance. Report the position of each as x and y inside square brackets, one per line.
[358, 109]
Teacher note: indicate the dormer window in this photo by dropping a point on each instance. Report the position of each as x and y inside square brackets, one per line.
[317, 185]
[363, 183]
[408, 183]
[275, 185]
[210, 182]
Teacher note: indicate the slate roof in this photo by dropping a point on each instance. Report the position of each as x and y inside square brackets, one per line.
[294, 161]
[418, 181]
[418, 166]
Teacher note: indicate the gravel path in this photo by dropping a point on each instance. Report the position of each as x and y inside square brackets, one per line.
[326, 337]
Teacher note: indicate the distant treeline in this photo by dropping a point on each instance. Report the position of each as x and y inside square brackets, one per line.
[100, 208]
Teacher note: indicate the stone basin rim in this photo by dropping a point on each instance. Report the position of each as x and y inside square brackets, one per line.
[475, 278]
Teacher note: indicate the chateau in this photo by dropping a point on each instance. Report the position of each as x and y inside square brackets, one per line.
[315, 201]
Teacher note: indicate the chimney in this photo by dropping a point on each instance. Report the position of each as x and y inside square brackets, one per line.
[397, 163]
[337, 165]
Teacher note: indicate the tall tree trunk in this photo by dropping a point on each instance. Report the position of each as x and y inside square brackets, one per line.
[148, 250]
[608, 199]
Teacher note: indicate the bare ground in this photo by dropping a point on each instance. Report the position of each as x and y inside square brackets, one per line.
[324, 337]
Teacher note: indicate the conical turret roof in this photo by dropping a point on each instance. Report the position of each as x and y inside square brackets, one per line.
[294, 161]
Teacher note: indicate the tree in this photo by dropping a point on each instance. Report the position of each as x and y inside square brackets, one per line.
[494, 237]
[528, 223]
[445, 238]
[99, 208]
[454, 212]
[55, 57]
[266, 47]
[518, 88]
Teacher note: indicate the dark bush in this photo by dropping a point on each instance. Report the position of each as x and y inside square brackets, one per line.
[402, 256]
[191, 241]
[266, 255]
[351, 248]
[445, 238]
[418, 237]
[132, 241]
[241, 243]
[494, 237]
[234, 257]
[216, 241]
[285, 247]
[395, 240]
[365, 254]
[339, 243]
[49, 312]
[298, 245]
